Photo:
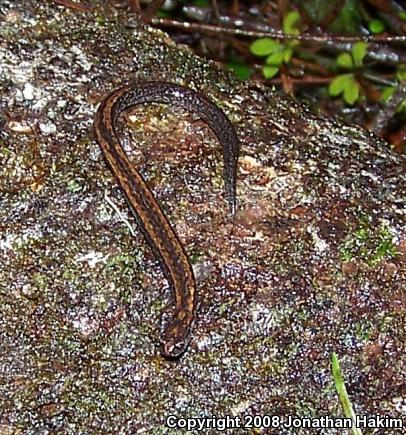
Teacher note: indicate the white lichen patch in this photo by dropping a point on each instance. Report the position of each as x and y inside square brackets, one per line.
[92, 259]
[320, 244]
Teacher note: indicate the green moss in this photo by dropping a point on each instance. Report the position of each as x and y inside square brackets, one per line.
[71, 275]
[368, 244]
[40, 281]
[74, 186]
[389, 324]
[121, 269]
[122, 260]
[363, 331]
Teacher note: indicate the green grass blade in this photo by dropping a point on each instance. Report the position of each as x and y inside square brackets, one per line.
[342, 393]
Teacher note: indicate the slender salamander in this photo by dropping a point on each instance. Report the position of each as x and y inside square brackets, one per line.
[144, 207]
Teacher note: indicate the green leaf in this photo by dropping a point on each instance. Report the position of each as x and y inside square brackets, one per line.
[269, 71]
[275, 59]
[289, 23]
[342, 392]
[359, 50]
[401, 72]
[265, 46]
[401, 107]
[241, 70]
[376, 26]
[402, 16]
[351, 91]
[344, 60]
[287, 54]
[338, 84]
[387, 93]
[349, 20]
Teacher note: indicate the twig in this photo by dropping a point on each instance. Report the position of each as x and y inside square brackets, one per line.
[122, 217]
[199, 27]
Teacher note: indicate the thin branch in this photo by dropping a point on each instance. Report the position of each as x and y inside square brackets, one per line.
[199, 27]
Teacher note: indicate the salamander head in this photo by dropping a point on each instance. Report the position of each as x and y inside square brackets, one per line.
[175, 339]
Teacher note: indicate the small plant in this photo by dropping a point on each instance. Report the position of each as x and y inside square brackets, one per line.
[346, 84]
[342, 393]
[277, 52]
[388, 91]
